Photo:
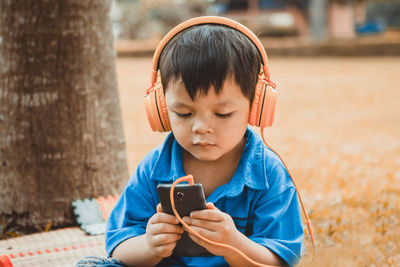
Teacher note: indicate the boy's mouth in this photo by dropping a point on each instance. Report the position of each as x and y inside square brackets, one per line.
[203, 143]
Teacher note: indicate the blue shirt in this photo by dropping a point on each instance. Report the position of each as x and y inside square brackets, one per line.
[260, 197]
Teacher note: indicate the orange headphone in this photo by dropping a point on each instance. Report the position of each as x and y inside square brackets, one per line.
[263, 106]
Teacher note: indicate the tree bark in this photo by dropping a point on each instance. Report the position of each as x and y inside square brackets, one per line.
[60, 126]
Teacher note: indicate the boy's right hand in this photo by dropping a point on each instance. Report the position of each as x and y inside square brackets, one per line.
[162, 233]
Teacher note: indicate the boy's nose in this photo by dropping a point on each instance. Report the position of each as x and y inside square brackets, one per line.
[201, 127]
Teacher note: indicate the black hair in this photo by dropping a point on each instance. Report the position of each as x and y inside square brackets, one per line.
[204, 55]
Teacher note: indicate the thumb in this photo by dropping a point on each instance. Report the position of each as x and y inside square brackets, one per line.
[159, 208]
[211, 206]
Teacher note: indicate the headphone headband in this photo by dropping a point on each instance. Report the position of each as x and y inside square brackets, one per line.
[209, 20]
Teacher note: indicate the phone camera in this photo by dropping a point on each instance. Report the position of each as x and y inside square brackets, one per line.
[180, 196]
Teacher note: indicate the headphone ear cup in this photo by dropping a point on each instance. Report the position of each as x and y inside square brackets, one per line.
[163, 110]
[262, 110]
[156, 110]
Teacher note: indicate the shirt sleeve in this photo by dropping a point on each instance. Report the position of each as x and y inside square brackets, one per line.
[277, 221]
[131, 213]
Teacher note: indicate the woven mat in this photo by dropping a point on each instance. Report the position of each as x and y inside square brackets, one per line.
[63, 247]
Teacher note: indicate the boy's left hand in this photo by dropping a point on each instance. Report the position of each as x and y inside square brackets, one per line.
[215, 225]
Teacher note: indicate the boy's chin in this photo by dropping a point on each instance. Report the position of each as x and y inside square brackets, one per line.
[205, 157]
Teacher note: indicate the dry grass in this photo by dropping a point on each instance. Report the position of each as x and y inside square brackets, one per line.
[338, 128]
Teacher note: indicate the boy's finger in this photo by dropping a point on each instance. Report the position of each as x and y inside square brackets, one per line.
[166, 228]
[162, 217]
[163, 239]
[211, 206]
[208, 214]
[159, 208]
[206, 224]
[201, 231]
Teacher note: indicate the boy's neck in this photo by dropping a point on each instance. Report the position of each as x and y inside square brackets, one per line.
[212, 174]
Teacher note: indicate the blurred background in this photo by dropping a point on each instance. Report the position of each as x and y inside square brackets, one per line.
[282, 22]
[337, 125]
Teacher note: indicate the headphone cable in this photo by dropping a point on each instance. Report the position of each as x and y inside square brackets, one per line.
[189, 178]
[308, 221]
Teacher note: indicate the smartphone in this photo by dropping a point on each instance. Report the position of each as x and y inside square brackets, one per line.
[187, 198]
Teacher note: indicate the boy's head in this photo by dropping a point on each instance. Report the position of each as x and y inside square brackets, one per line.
[209, 74]
[203, 56]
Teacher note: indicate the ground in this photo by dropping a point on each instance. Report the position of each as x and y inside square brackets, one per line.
[337, 126]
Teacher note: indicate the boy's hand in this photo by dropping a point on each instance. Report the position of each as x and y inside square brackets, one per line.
[162, 233]
[215, 225]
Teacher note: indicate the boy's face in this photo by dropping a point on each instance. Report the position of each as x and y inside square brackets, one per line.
[210, 126]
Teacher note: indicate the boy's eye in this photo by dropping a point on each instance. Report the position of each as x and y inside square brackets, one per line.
[183, 115]
[224, 115]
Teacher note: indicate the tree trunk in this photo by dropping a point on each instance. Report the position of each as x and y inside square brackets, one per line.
[60, 126]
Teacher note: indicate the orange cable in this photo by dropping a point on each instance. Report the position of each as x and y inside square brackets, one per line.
[308, 221]
[189, 178]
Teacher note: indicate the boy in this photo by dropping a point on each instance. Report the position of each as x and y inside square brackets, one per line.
[208, 73]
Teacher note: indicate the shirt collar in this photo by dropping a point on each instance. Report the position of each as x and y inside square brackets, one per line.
[251, 168]
[168, 166]
[250, 171]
